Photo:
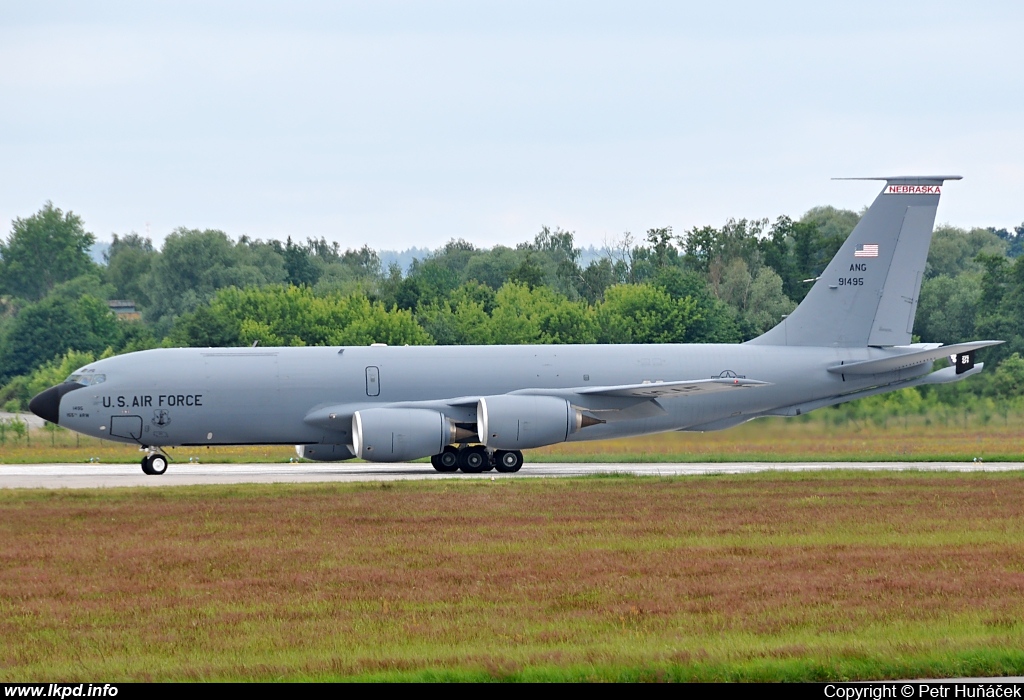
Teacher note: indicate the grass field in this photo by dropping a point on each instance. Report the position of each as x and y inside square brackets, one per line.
[757, 577]
[806, 439]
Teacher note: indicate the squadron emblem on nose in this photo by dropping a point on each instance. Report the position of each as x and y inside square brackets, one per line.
[161, 417]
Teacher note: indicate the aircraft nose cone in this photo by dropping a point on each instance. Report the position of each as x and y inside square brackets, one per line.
[46, 404]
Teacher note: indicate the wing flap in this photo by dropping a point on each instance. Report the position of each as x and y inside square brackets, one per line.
[660, 390]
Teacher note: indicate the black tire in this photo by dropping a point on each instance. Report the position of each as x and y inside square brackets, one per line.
[508, 461]
[157, 465]
[145, 466]
[474, 460]
[447, 461]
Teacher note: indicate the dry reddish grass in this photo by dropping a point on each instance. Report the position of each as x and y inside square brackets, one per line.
[695, 575]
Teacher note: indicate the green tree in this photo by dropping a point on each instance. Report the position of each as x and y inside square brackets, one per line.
[643, 313]
[57, 370]
[558, 258]
[714, 320]
[528, 272]
[662, 246]
[299, 265]
[494, 267]
[766, 304]
[1001, 305]
[462, 318]
[428, 281]
[816, 243]
[1008, 379]
[954, 250]
[129, 264]
[596, 278]
[287, 315]
[791, 250]
[51, 327]
[947, 308]
[708, 249]
[538, 315]
[1014, 240]
[42, 251]
[90, 284]
[194, 264]
[833, 225]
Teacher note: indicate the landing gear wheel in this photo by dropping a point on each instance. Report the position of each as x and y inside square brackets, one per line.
[508, 461]
[157, 464]
[145, 466]
[447, 461]
[474, 460]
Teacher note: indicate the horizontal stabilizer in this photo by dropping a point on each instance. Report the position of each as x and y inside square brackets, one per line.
[911, 358]
[948, 375]
[943, 376]
[656, 390]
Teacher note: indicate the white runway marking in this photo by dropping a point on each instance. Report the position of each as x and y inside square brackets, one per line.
[109, 475]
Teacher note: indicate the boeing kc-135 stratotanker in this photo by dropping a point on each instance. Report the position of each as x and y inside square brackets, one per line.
[474, 408]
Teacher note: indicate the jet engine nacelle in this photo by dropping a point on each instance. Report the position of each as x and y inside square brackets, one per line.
[324, 453]
[521, 421]
[399, 434]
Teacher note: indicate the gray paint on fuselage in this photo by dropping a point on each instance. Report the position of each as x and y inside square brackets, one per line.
[242, 400]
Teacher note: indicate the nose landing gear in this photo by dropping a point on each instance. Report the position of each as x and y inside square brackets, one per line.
[154, 463]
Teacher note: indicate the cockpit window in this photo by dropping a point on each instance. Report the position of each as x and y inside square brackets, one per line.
[86, 379]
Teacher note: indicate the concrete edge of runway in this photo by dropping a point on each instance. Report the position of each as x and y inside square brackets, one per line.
[74, 476]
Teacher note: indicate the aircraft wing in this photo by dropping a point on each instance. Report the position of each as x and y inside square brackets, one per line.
[642, 391]
[914, 357]
[627, 400]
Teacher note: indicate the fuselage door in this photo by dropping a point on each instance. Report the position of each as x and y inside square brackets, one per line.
[372, 381]
[126, 427]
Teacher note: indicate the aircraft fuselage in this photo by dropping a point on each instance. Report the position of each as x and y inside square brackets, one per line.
[221, 396]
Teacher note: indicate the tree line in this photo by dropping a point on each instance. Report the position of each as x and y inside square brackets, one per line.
[721, 284]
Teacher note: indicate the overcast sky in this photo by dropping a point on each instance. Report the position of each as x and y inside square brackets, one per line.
[399, 123]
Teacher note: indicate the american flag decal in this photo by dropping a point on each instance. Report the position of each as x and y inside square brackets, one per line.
[867, 250]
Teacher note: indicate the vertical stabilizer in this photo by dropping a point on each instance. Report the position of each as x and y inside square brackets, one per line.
[868, 293]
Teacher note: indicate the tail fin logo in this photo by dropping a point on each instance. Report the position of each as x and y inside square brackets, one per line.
[866, 250]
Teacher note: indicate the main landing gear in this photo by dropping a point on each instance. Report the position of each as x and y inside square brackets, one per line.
[476, 459]
[154, 463]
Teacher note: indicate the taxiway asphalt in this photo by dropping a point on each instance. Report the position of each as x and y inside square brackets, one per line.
[75, 476]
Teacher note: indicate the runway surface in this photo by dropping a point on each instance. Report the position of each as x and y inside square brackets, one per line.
[75, 476]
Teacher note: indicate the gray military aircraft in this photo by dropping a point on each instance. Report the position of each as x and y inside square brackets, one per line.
[474, 408]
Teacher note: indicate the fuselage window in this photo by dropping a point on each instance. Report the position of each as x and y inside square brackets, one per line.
[86, 379]
[372, 381]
